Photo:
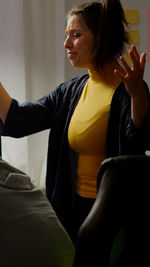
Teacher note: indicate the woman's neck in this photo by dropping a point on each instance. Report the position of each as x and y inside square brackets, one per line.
[106, 74]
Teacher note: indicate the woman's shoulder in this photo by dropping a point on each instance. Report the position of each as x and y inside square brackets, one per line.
[71, 86]
[120, 94]
[80, 80]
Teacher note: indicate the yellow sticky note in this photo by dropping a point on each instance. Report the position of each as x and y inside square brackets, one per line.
[134, 37]
[132, 16]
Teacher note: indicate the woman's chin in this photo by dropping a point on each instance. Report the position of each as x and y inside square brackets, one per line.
[77, 65]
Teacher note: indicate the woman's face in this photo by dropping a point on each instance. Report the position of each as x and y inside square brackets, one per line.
[79, 42]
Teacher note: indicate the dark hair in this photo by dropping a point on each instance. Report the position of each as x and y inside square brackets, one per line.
[107, 22]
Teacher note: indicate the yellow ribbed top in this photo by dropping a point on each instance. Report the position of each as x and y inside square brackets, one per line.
[87, 130]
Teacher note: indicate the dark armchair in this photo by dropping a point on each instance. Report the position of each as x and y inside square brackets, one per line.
[116, 232]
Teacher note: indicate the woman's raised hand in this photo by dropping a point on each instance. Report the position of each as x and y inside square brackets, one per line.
[132, 76]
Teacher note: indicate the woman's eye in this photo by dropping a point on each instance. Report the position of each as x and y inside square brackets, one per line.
[76, 35]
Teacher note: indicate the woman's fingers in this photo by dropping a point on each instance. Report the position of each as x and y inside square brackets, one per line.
[142, 62]
[125, 64]
[120, 75]
[138, 64]
[136, 54]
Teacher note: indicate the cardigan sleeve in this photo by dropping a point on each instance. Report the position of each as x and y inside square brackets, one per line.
[122, 136]
[28, 118]
[140, 138]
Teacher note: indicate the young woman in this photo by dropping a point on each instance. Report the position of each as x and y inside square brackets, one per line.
[104, 113]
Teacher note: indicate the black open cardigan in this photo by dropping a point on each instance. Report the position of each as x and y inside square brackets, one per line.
[54, 112]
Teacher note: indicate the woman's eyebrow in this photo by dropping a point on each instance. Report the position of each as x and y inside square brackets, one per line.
[72, 30]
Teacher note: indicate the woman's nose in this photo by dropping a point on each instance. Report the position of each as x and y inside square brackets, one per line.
[67, 43]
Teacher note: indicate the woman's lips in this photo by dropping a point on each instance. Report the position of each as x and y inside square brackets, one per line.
[71, 55]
